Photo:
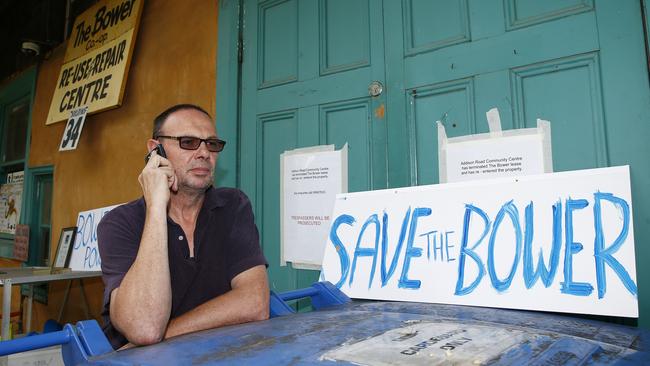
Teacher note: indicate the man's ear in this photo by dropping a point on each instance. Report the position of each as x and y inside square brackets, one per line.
[151, 144]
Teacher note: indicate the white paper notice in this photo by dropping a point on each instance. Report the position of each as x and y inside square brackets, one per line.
[310, 180]
[491, 158]
[495, 154]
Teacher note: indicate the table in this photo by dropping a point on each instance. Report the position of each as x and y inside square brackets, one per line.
[31, 275]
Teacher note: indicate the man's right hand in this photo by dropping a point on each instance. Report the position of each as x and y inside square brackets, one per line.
[157, 179]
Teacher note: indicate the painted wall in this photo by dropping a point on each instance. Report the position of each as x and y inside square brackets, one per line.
[174, 62]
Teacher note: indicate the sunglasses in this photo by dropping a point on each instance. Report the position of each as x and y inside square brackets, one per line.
[193, 143]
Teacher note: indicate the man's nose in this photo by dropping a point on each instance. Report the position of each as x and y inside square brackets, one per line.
[202, 150]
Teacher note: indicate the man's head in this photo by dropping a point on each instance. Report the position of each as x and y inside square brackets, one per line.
[194, 168]
[162, 117]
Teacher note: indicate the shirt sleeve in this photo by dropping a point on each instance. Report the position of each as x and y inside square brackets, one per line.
[244, 247]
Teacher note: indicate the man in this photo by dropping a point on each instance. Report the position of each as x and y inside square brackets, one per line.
[186, 256]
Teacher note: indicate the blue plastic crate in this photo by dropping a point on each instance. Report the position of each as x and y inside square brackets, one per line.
[392, 333]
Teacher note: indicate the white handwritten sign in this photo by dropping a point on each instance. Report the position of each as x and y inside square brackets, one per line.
[85, 254]
[554, 242]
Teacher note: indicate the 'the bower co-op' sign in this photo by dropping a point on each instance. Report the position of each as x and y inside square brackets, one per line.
[97, 59]
[553, 242]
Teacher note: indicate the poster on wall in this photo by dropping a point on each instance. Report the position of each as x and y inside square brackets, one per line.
[566, 237]
[16, 177]
[310, 179]
[10, 202]
[495, 154]
[97, 59]
[85, 253]
[21, 243]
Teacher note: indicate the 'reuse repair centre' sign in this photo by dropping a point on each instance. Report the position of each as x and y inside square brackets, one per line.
[97, 59]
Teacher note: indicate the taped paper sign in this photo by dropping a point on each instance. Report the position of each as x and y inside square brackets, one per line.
[495, 154]
[310, 179]
[85, 253]
[566, 238]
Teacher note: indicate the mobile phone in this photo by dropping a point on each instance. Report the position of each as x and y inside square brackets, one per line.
[159, 150]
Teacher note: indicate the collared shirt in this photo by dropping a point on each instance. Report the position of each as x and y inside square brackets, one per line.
[226, 243]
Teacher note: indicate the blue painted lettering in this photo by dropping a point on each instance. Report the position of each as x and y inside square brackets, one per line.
[340, 248]
[511, 210]
[386, 275]
[546, 273]
[447, 246]
[571, 248]
[412, 252]
[366, 252]
[466, 251]
[606, 255]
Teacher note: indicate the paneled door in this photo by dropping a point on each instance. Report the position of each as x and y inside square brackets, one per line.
[580, 64]
[307, 66]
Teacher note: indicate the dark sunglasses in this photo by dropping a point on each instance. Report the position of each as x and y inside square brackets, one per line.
[193, 143]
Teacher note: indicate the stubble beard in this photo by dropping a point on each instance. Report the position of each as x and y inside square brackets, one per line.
[195, 184]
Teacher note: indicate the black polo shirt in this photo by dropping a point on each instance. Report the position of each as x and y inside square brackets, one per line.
[226, 243]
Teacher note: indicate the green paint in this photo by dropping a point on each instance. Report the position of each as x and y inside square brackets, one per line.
[307, 65]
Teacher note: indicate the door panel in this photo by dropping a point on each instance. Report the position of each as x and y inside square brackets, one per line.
[344, 35]
[348, 122]
[278, 133]
[278, 43]
[567, 93]
[453, 104]
[522, 13]
[306, 71]
[434, 24]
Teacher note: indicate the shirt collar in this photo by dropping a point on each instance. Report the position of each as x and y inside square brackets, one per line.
[213, 199]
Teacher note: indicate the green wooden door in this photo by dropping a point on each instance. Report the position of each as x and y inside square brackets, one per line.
[577, 63]
[580, 64]
[307, 66]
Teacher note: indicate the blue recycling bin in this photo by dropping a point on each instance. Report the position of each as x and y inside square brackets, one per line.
[343, 332]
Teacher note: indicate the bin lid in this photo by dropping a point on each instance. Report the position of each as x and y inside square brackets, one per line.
[396, 333]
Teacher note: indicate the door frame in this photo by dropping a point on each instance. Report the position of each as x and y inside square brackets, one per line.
[31, 206]
[229, 91]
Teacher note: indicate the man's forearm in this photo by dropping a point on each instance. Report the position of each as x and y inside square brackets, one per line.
[141, 306]
[242, 304]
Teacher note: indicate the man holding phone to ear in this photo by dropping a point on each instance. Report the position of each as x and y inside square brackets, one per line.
[186, 256]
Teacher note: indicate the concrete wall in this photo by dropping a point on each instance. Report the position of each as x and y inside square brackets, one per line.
[174, 61]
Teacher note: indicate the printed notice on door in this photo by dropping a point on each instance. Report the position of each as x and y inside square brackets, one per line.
[310, 179]
[517, 152]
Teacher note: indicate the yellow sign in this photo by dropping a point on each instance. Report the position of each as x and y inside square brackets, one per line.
[97, 59]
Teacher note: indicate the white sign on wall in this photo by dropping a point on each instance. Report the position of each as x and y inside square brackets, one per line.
[310, 179]
[495, 154]
[85, 253]
[73, 128]
[11, 195]
[16, 177]
[566, 238]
